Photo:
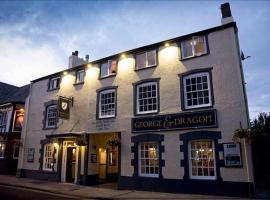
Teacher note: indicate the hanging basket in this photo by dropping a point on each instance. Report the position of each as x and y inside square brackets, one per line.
[113, 142]
[242, 133]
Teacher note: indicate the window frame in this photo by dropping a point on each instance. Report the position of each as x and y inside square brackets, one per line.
[3, 122]
[183, 94]
[50, 88]
[108, 68]
[140, 159]
[146, 59]
[14, 148]
[46, 118]
[194, 54]
[135, 96]
[77, 81]
[98, 106]
[44, 168]
[190, 161]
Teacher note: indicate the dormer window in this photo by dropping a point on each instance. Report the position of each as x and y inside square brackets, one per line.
[54, 83]
[146, 59]
[195, 46]
[108, 68]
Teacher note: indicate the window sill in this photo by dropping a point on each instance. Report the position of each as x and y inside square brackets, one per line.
[146, 114]
[188, 58]
[198, 108]
[145, 68]
[78, 83]
[49, 128]
[104, 118]
[109, 76]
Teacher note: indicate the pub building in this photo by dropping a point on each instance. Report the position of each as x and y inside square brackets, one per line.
[159, 118]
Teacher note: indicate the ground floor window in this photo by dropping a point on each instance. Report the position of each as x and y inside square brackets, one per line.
[48, 157]
[148, 159]
[202, 159]
[2, 149]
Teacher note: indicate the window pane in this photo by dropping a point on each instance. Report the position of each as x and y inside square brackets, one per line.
[107, 104]
[199, 45]
[104, 71]
[140, 60]
[187, 48]
[151, 57]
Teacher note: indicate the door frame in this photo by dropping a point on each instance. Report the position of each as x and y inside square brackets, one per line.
[66, 144]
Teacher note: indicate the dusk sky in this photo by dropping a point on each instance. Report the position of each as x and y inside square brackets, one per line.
[36, 37]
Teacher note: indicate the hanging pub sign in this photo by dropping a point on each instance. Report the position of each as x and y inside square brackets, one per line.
[188, 120]
[64, 107]
[232, 155]
[18, 120]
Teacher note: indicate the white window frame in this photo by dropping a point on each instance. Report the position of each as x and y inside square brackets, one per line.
[146, 59]
[47, 117]
[137, 98]
[79, 74]
[194, 54]
[140, 158]
[208, 85]
[190, 162]
[47, 158]
[109, 65]
[2, 149]
[14, 148]
[53, 83]
[99, 103]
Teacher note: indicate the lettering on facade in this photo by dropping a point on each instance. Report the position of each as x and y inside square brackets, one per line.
[202, 119]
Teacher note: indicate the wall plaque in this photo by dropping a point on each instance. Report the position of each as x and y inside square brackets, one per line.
[188, 120]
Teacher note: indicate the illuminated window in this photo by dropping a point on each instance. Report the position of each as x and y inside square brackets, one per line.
[202, 159]
[48, 157]
[146, 59]
[51, 116]
[147, 98]
[107, 103]
[2, 149]
[197, 90]
[148, 159]
[108, 68]
[80, 76]
[196, 46]
[54, 83]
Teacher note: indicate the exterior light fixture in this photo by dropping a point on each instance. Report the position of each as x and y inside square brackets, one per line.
[65, 73]
[167, 44]
[123, 56]
[89, 65]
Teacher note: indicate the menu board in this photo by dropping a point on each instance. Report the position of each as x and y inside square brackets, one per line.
[232, 154]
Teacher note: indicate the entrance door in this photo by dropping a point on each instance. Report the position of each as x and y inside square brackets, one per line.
[71, 164]
[102, 163]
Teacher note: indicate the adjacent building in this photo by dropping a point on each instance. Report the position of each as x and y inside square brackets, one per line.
[12, 100]
[160, 117]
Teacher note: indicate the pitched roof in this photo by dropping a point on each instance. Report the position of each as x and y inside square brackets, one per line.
[11, 93]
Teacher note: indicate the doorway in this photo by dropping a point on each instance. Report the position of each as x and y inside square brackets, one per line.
[71, 164]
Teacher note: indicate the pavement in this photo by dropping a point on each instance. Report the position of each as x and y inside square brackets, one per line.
[103, 191]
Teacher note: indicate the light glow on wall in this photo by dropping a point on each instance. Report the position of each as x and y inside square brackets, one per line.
[92, 72]
[125, 64]
[169, 53]
[67, 79]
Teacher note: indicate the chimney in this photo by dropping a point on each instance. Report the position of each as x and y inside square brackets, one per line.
[86, 58]
[75, 60]
[226, 13]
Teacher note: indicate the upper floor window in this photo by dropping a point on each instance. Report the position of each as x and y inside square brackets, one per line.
[146, 59]
[147, 98]
[3, 120]
[148, 159]
[194, 46]
[51, 116]
[80, 76]
[197, 90]
[108, 68]
[54, 83]
[107, 103]
[2, 149]
[48, 157]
